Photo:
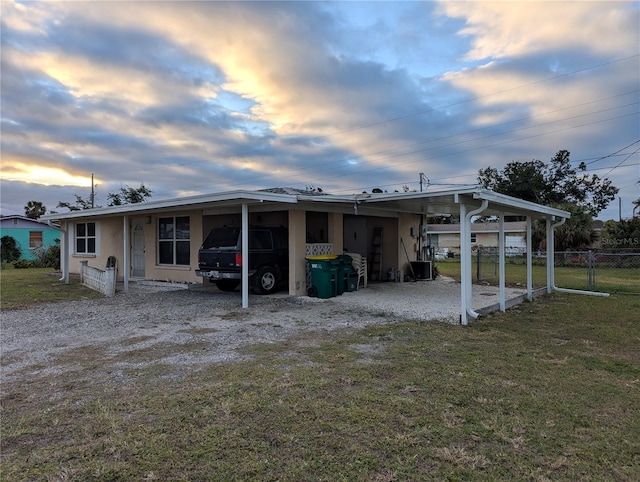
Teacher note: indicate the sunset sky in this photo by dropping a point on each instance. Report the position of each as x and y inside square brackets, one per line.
[204, 97]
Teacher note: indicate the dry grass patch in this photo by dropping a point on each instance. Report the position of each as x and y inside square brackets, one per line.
[501, 399]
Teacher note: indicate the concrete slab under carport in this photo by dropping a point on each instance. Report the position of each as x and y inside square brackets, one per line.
[437, 300]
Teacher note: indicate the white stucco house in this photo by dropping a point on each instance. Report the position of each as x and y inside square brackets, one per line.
[446, 237]
[136, 236]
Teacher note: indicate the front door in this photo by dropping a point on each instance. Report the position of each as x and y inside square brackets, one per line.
[355, 234]
[137, 251]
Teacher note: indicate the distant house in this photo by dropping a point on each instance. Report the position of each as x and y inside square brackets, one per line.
[446, 237]
[29, 234]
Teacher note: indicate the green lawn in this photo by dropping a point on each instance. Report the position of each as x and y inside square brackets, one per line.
[621, 280]
[24, 287]
[549, 390]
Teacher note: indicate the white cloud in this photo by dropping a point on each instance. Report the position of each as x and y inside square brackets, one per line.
[507, 29]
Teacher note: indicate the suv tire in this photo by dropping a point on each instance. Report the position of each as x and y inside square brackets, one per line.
[227, 284]
[265, 281]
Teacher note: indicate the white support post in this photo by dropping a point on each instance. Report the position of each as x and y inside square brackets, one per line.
[125, 256]
[501, 265]
[464, 256]
[550, 255]
[245, 255]
[466, 285]
[529, 261]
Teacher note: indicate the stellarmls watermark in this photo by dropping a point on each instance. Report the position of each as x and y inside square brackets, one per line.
[621, 242]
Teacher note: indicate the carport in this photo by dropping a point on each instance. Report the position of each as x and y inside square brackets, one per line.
[468, 203]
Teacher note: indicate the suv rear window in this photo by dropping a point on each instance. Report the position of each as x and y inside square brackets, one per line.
[260, 240]
[222, 239]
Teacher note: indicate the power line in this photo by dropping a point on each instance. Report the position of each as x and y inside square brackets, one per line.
[488, 146]
[620, 163]
[393, 119]
[613, 154]
[314, 168]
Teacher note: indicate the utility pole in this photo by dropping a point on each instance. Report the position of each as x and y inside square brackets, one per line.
[619, 209]
[93, 194]
[423, 178]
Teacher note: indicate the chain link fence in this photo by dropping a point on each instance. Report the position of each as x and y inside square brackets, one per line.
[607, 270]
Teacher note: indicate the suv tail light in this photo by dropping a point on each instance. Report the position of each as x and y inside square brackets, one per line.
[238, 259]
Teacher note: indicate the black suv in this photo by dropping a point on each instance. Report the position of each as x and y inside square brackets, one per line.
[220, 258]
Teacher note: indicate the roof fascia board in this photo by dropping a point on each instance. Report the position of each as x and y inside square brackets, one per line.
[233, 197]
[524, 207]
[398, 196]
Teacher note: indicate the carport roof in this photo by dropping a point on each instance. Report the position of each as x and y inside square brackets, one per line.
[447, 202]
[428, 203]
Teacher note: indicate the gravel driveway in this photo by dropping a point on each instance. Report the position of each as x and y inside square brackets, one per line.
[146, 319]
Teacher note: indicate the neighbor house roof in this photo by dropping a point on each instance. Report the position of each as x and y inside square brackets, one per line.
[24, 221]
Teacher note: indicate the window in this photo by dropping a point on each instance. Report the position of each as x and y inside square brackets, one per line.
[174, 241]
[260, 240]
[35, 239]
[86, 238]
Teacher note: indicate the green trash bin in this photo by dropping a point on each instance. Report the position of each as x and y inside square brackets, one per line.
[340, 275]
[324, 276]
[347, 276]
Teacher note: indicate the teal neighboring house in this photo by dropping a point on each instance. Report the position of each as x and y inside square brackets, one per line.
[29, 234]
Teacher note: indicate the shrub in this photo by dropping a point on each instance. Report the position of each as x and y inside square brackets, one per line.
[9, 250]
[22, 264]
[47, 257]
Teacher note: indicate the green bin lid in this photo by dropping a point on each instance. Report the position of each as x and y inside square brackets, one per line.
[321, 257]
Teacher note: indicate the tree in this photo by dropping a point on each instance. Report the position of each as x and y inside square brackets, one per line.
[126, 195]
[624, 234]
[34, 209]
[79, 205]
[9, 250]
[576, 233]
[551, 183]
[129, 195]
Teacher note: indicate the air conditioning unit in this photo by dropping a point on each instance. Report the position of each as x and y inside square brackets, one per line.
[422, 270]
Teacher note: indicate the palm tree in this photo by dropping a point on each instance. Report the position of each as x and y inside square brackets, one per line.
[34, 209]
[575, 234]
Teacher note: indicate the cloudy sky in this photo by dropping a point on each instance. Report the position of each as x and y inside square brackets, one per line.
[204, 97]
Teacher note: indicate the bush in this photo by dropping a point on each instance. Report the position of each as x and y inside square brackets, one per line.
[9, 250]
[47, 257]
[23, 264]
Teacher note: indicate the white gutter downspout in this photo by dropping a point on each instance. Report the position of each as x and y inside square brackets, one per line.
[529, 261]
[125, 261]
[465, 266]
[550, 255]
[501, 261]
[64, 248]
[551, 282]
[245, 255]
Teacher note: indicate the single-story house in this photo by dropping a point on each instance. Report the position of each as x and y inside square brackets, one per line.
[29, 234]
[159, 239]
[447, 236]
